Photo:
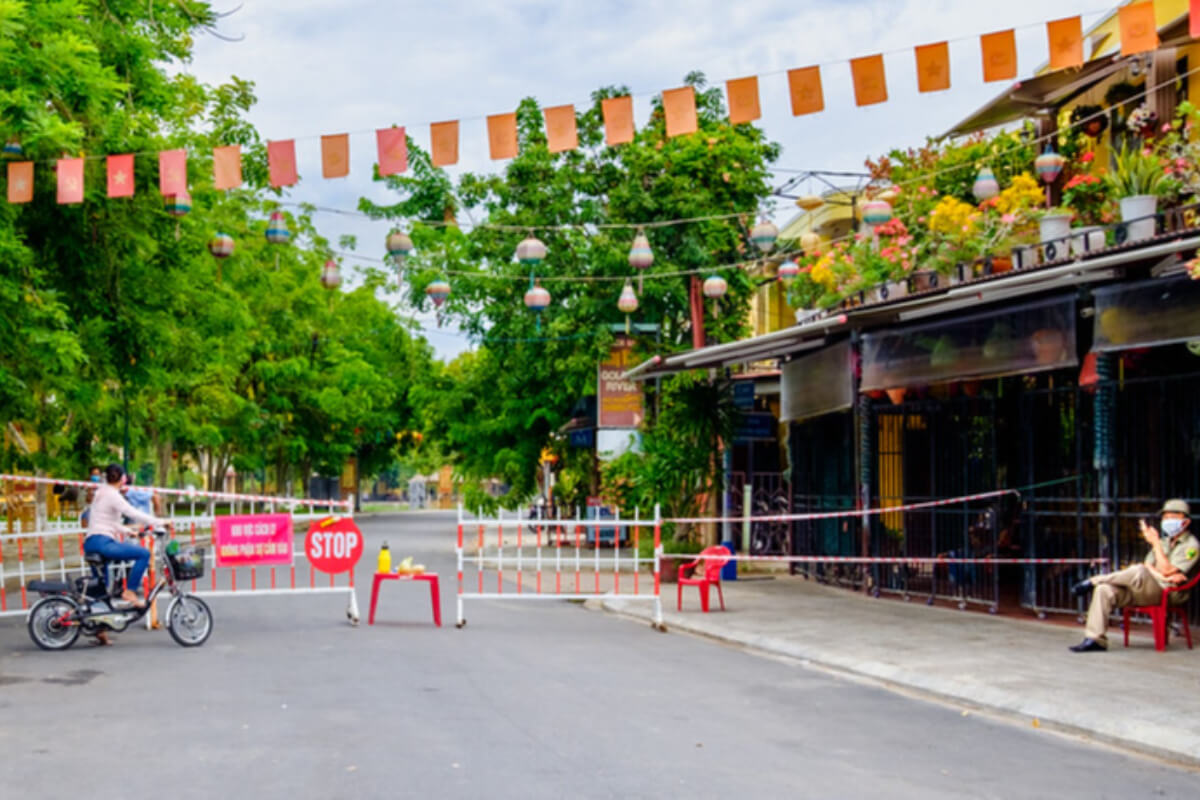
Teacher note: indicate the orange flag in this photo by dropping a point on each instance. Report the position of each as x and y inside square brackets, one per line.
[561, 134]
[502, 136]
[443, 137]
[227, 167]
[743, 100]
[804, 86]
[1139, 32]
[1194, 18]
[393, 150]
[172, 172]
[335, 155]
[281, 163]
[1066, 42]
[120, 176]
[20, 181]
[70, 180]
[679, 105]
[933, 67]
[999, 56]
[870, 83]
[618, 119]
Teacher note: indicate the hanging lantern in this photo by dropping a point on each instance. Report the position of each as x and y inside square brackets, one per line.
[536, 299]
[178, 205]
[277, 229]
[627, 303]
[438, 291]
[531, 251]
[714, 289]
[399, 245]
[876, 212]
[787, 271]
[986, 186]
[331, 275]
[12, 148]
[1049, 165]
[221, 245]
[810, 202]
[640, 255]
[764, 235]
[810, 242]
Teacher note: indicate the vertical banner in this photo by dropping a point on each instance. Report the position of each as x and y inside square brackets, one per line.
[120, 175]
[999, 52]
[172, 172]
[20, 181]
[70, 180]
[679, 106]
[618, 119]
[870, 83]
[335, 155]
[502, 136]
[227, 167]
[619, 403]
[443, 140]
[1139, 32]
[561, 134]
[804, 88]
[281, 163]
[743, 100]
[393, 150]
[933, 67]
[1066, 42]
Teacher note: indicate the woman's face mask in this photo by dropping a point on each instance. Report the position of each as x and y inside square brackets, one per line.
[1172, 527]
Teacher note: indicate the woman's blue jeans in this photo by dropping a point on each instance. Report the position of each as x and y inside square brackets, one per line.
[113, 550]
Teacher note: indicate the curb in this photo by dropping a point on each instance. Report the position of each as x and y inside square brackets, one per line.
[1042, 718]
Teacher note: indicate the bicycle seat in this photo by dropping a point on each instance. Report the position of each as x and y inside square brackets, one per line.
[94, 558]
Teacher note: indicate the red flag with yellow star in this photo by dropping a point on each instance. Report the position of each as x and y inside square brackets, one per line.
[20, 181]
[120, 176]
[393, 150]
[70, 180]
[172, 172]
[281, 163]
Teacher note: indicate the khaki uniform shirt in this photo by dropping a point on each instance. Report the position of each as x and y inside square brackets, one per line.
[1184, 554]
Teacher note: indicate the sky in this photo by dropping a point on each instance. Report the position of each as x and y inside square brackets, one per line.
[351, 66]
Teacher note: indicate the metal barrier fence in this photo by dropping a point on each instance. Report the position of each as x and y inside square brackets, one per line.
[559, 559]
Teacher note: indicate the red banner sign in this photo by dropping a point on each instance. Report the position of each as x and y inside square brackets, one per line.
[333, 545]
[620, 400]
[253, 539]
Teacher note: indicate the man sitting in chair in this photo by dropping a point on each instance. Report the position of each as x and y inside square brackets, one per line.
[1172, 558]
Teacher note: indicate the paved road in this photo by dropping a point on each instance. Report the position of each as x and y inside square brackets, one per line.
[530, 701]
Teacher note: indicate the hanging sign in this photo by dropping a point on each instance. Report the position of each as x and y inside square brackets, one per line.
[253, 540]
[620, 400]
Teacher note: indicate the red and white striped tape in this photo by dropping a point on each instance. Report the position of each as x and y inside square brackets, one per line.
[896, 560]
[859, 512]
[191, 493]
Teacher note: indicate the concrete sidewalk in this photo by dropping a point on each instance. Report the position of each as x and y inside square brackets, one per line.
[1134, 698]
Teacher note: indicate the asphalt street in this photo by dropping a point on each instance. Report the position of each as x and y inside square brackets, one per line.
[531, 700]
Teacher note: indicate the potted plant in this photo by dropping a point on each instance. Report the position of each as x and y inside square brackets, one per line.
[1091, 119]
[1137, 179]
[1054, 229]
[1087, 196]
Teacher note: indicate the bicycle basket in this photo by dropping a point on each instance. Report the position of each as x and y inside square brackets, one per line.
[188, 563]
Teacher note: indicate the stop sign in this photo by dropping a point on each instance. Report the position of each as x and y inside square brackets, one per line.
[333, 544]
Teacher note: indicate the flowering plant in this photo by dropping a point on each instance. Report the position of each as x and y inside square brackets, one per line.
[1142, 120]
[1087, 195]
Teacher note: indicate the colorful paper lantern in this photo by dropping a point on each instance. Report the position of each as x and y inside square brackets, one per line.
[438, 291]
[277, 229]
[787, 271]
[876, 212]
[399, 245]
[537, 298]
[221, 245]
[331, 275]
[764, 235]
[986, 186]
[1049, 165]
[12, 148]
[810, 202]
[810, 242]
[628, 301]
[531, 251]
[715, 287]
[178, 205]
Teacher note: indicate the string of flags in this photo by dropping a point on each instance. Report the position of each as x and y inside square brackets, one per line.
[1136, 22]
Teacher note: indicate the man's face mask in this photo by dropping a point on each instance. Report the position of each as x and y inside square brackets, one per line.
[95, 479]
[1172, 527]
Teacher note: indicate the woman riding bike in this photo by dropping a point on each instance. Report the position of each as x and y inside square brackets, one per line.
[105, 526]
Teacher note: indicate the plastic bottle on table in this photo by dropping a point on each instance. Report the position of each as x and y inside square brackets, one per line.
[385, 559]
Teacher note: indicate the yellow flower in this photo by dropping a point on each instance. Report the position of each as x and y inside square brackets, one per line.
[1024, 192]
[952, 216]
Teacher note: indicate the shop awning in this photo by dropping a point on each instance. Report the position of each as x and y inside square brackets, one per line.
[1147, 314]
[817, 383]
[1034, 337]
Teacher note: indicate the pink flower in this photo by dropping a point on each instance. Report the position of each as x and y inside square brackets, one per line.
[1008, 219]
[1166, 127]
[922, 219]
[1146, 151]
[1087, 157]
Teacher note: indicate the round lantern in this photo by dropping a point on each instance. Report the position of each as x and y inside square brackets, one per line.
[537, 298]
[1049, 165]
[876, 212]
[764, 235]
[438, 291]
[986, 186]
[178, 205]
[810, 202]
[531, 251]
[399, 245]
[787, 271]
[277, 229]
[331, 275]
[810, 242]
[221, 245]
[715, 287]
[628, 301]
[12, 148]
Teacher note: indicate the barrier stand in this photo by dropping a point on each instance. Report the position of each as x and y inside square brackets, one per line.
[604, 568]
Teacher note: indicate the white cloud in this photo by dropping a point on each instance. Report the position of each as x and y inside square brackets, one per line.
[331, 66]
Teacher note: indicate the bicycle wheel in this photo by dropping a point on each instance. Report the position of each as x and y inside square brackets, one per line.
[46, 627]
[189, 621]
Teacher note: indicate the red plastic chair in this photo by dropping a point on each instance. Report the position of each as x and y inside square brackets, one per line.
[712, 576]
[1160, 615]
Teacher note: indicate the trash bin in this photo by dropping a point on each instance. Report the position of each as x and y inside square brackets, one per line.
[729, 571]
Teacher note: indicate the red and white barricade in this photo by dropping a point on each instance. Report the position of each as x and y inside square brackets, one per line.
[249, 542]
[514, 557]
